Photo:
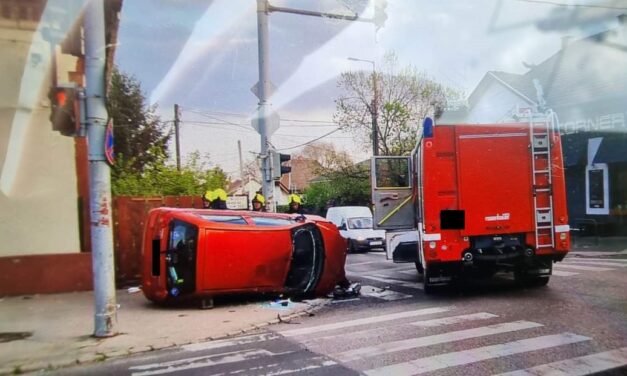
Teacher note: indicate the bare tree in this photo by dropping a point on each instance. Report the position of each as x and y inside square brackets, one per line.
[404, 97]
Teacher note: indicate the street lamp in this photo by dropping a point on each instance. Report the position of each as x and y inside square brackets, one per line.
[374, 109]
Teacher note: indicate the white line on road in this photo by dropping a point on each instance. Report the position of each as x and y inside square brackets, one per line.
[582, 267]
[364, 263]
[600, 263]
[364, 321]
[453, 320]
[459, 358]
[389, 295]
[344, 300]
[201, 362]
[583, 365]
[561, 273]
[230, 342]
[325, 363]
[397, 282]
[582, 259]
[413, 343]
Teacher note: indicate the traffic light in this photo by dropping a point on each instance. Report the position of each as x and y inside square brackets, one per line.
[64, 110]
[277, 164]
[380, 14]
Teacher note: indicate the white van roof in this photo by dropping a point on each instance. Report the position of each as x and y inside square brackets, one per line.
[335, 214]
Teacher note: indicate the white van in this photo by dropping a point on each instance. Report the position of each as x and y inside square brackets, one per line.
[355, 224]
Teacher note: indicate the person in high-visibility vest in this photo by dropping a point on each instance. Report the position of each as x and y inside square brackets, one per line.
[207, 198]
[219, 199]
[295, 204]
[259, 202]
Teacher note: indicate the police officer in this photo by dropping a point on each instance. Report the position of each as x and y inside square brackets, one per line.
[259, 202]
[295, 204]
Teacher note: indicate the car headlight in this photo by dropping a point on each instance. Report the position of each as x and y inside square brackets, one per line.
[360, 239]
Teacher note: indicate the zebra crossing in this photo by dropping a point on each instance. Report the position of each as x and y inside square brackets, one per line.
[406, 342]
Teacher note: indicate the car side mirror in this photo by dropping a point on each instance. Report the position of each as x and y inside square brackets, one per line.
[342, 226]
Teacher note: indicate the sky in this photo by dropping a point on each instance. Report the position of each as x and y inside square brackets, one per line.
[203, 56]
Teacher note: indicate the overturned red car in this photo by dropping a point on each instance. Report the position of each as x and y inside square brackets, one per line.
[194, 253]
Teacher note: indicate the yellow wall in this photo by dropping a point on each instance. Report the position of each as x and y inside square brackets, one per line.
[38, 188]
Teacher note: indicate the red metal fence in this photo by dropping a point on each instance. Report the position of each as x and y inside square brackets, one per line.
[129, 216]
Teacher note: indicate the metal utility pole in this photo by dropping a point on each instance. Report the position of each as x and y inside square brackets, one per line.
[99, 173]
[263, 88]
[374, 110]
[267, 121]
[176, 137]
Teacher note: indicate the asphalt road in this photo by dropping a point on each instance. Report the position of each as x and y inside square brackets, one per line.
[576, 325]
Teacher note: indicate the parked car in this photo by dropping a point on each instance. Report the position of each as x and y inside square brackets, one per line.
[355, 224]
[196, 253]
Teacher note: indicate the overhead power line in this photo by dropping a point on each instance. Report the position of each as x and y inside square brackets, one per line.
[309, 142]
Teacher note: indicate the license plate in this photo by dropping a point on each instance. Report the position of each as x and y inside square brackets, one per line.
[376, 243]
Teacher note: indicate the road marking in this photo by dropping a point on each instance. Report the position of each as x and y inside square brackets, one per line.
[389, 295]
[582, 365]
[364, 263]
[325, 363]
[459, 358]
[561, 273]
[582, 259]
[209, 345]
[201, 362]
[344, 300]
[600, 263]
[397, 282]
[453, 320]
[583, 267]
[364, 321]
[595, 253]
[414, 343]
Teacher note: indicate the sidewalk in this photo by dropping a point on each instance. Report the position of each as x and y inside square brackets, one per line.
[598, 245]
[59, 327]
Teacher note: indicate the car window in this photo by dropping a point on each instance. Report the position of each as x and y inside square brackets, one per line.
[232, 219]
[261, 221]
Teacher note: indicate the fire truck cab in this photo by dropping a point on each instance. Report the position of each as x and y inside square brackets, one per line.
[475, 199]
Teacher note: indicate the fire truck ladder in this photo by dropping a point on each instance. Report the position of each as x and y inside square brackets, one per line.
[541, 130]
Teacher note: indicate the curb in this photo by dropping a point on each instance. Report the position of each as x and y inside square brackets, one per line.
[92, 358]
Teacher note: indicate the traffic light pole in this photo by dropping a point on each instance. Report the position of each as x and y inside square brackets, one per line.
[263, 91]
[99, 172]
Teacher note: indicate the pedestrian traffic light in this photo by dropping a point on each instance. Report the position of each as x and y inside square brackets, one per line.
[380, 14]
[64, 110]
[277, 164]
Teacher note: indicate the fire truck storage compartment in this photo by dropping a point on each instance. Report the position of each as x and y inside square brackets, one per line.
[488, 159]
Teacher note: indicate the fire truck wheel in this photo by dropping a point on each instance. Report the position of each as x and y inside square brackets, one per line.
[419, 268]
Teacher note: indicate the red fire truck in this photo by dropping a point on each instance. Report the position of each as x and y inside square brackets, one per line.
[475, 199]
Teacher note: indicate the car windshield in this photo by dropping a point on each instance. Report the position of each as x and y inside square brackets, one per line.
[359, 223]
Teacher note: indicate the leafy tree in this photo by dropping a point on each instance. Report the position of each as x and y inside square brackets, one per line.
[404, 97]
[141, 138]
[162, 178]
[340, 181]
